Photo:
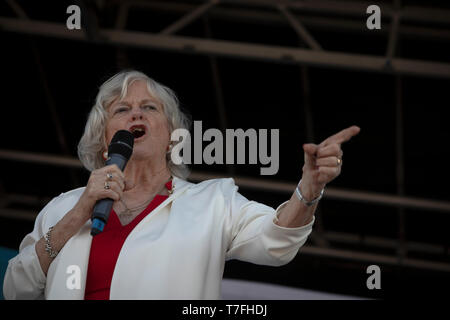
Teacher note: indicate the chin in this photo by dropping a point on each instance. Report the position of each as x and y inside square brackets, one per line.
[142, 153]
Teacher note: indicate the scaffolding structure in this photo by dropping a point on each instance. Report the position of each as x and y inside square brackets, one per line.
[301, 16]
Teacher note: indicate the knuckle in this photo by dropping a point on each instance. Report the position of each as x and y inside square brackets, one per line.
[109, 167]
[336, 148]
[111, 195]
[114, 185]
[319, 152]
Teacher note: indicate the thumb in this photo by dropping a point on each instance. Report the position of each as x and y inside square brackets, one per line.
[310, 154]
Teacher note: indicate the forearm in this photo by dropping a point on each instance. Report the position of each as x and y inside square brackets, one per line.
[68, 226]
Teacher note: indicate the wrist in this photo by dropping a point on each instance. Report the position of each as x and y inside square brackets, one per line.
[309, 191]
[305, 199]
[48, 244]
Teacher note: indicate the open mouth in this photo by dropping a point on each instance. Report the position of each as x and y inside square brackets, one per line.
[137, 131]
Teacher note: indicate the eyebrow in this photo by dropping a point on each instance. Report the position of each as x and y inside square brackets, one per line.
[145, 101]
[142, 102]
[150, 100]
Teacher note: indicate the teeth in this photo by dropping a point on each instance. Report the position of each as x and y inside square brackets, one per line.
[137, 132]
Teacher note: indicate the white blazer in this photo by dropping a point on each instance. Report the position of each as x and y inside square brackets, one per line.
[178, 251]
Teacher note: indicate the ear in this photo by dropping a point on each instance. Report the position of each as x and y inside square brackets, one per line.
[105, 144]
[105, 148]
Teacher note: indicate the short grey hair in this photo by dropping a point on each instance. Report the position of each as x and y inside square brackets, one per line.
[92, 143]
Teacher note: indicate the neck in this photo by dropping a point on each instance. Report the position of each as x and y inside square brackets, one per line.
[145, 175]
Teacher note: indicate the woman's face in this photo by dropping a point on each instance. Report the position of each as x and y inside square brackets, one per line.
[143, 115]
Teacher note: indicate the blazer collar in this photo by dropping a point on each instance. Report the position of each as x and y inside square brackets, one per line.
[179, 185]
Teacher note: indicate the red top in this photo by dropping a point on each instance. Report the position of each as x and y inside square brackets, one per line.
[105, 249]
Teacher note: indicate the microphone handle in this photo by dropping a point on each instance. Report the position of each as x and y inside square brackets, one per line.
[102, 209]
[117, 159]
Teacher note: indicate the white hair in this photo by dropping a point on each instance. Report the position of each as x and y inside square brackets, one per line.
[92, 143]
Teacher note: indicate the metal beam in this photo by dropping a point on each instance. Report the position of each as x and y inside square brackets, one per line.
[400, 165]
[277, 54]
[30, 216]
[189, 18]
[28, 200]
[121, 21]
[18, 214]
[355, 9]
[411, 13]
[39, 158]
[89, 20]
[257, 184]
[278, 187]
[48, 96]
[122, 16]
[17, 9]
[393, 36]
[218, 89]
[383, 242]
[299, 28]
[334, 193]
[374, 258]
[330, 24]
[333, 236]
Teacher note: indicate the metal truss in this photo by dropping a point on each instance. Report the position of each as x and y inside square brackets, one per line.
[281, 188]
[167, 40]
[303, 17]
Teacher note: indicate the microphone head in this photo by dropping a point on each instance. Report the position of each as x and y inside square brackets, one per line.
[122, 143]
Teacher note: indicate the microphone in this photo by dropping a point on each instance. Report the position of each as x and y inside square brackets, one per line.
[119, 152]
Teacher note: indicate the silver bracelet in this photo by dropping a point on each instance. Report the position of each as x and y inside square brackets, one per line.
[48, 248]
[302, 199]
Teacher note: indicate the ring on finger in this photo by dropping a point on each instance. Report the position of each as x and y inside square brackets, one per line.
[107, 186]
[339, 161]
[109, 176]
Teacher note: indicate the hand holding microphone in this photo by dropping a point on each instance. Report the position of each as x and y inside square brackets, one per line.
[96, 201]
[108, 182]
[95, 189]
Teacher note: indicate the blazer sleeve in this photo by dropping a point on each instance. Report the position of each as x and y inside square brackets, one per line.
[24, 278]
[253, 235]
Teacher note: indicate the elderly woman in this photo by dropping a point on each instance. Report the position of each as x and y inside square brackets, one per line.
[166, 238]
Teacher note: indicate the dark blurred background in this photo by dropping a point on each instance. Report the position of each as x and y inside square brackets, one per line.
[307, 68]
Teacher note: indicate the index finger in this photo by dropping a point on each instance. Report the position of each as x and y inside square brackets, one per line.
[341, 136]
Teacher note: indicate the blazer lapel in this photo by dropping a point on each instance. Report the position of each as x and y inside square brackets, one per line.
[179, 186]
[74, 256]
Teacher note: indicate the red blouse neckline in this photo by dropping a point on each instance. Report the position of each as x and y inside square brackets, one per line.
[106, 247]
[114, 221]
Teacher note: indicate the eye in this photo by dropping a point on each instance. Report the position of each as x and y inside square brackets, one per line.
[149, 107]
[120, 110]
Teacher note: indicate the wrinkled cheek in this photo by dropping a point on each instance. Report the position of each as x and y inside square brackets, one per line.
[111, 128]
[109, 134]
[161, 132]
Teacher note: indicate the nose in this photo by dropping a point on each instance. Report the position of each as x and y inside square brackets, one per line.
[136, 114]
